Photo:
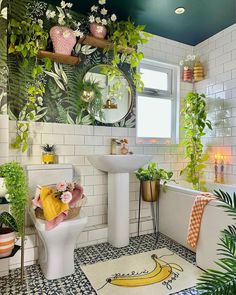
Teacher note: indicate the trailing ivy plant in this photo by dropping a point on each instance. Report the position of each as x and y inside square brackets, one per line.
[194, 124]
[16, 184]
[26, 38]
[223, 280]
[126, 34]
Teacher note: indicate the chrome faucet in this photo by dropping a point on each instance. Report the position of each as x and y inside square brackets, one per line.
[114, 143]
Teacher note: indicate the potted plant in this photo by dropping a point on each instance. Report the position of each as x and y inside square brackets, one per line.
[7, 234]
[125, 36]
[188, 65]
[90, 93]
[63, 34]
[48, 156]
[150, 178]
[99, 19]
[17, 191]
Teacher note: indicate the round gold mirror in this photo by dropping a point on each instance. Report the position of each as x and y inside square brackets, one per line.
[116, 93]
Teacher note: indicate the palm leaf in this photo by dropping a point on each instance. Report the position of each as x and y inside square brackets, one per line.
[223, 281]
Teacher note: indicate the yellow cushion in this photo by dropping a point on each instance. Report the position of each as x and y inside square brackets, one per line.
[52, 206]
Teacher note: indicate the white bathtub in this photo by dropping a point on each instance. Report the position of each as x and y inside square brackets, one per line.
[175, 208]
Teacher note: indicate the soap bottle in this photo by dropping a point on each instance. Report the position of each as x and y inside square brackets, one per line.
[124, 150]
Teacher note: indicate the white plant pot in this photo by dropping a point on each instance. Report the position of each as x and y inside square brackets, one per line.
[3, 189]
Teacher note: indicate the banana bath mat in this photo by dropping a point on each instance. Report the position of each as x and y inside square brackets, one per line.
[155, 272]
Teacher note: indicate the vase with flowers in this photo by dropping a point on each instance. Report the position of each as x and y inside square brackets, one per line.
[99, 19]
[188, 64]
[63, 34]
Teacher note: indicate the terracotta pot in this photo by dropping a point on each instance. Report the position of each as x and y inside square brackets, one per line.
[3, 189]
[150, 190]
[7, 241]
[98, 31]
[48, 158]
[187, 75]
[63, 39]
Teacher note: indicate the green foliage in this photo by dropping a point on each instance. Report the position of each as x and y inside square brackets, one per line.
[125, 34]
[152, 173]
[194, 123]
[218, 282]
[17, 190]
[29, 112]
[8, 220]
[26, 37]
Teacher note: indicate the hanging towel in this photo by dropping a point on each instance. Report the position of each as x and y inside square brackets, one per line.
[52, 206]
[196, 216]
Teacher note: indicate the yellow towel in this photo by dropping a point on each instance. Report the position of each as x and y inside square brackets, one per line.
[52, 206]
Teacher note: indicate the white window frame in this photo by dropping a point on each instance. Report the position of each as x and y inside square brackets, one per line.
[172, 93]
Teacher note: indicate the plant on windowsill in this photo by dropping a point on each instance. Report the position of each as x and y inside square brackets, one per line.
[223, 281]
[195, 122]
[26, 38]
[150, 178]
[7, 234]
[17, 191]
[126, 34]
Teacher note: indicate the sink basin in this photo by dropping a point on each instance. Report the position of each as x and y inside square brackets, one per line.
[118, 163]
[118, 168]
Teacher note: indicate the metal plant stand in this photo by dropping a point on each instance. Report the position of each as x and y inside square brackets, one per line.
[155, 213]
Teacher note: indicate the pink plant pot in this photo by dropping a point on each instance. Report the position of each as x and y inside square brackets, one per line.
[63, 39]
[98, 31]
[7, 242]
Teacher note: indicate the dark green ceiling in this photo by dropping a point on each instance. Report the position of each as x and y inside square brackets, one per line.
[202, 19]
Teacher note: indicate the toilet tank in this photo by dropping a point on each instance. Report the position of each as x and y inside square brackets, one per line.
[47, 174]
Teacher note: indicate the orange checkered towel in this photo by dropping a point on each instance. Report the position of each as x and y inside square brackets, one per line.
[196, 216]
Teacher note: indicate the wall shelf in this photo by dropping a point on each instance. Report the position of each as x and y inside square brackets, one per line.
[102, 43]
[87, 40]
[60, 58]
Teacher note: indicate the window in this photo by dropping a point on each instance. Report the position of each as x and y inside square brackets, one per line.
[158, 104]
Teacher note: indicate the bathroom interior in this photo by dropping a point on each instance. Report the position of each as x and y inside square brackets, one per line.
[117, 147]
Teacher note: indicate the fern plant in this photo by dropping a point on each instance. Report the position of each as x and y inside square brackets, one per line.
[223, 281]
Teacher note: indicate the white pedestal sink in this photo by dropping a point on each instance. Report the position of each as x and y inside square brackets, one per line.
[118, 168]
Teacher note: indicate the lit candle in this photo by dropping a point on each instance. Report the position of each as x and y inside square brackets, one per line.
[216, 168]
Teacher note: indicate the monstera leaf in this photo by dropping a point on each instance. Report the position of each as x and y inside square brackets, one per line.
[8, 220]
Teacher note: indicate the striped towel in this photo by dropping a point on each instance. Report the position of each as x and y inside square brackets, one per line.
[196, 216]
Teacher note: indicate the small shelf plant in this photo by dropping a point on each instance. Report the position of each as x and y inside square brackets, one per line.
[48, 155]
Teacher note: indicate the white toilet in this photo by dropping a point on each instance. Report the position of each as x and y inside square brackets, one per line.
[56, 247]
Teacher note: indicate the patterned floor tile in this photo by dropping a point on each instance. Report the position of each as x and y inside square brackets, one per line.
[78, 284]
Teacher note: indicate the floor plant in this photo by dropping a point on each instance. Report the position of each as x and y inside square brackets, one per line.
[194, 124]
[223, 281]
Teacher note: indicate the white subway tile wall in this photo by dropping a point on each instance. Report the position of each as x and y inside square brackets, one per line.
[218, 54]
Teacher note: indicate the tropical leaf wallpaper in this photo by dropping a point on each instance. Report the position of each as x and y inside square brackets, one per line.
[61, 102]
[3, 56]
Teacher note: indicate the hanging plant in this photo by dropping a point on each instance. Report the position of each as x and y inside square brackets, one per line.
[17, 191]
[126, 35]
[26, 38]
[195, 122]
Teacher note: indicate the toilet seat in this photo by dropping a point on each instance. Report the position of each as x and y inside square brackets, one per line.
[40, 223]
